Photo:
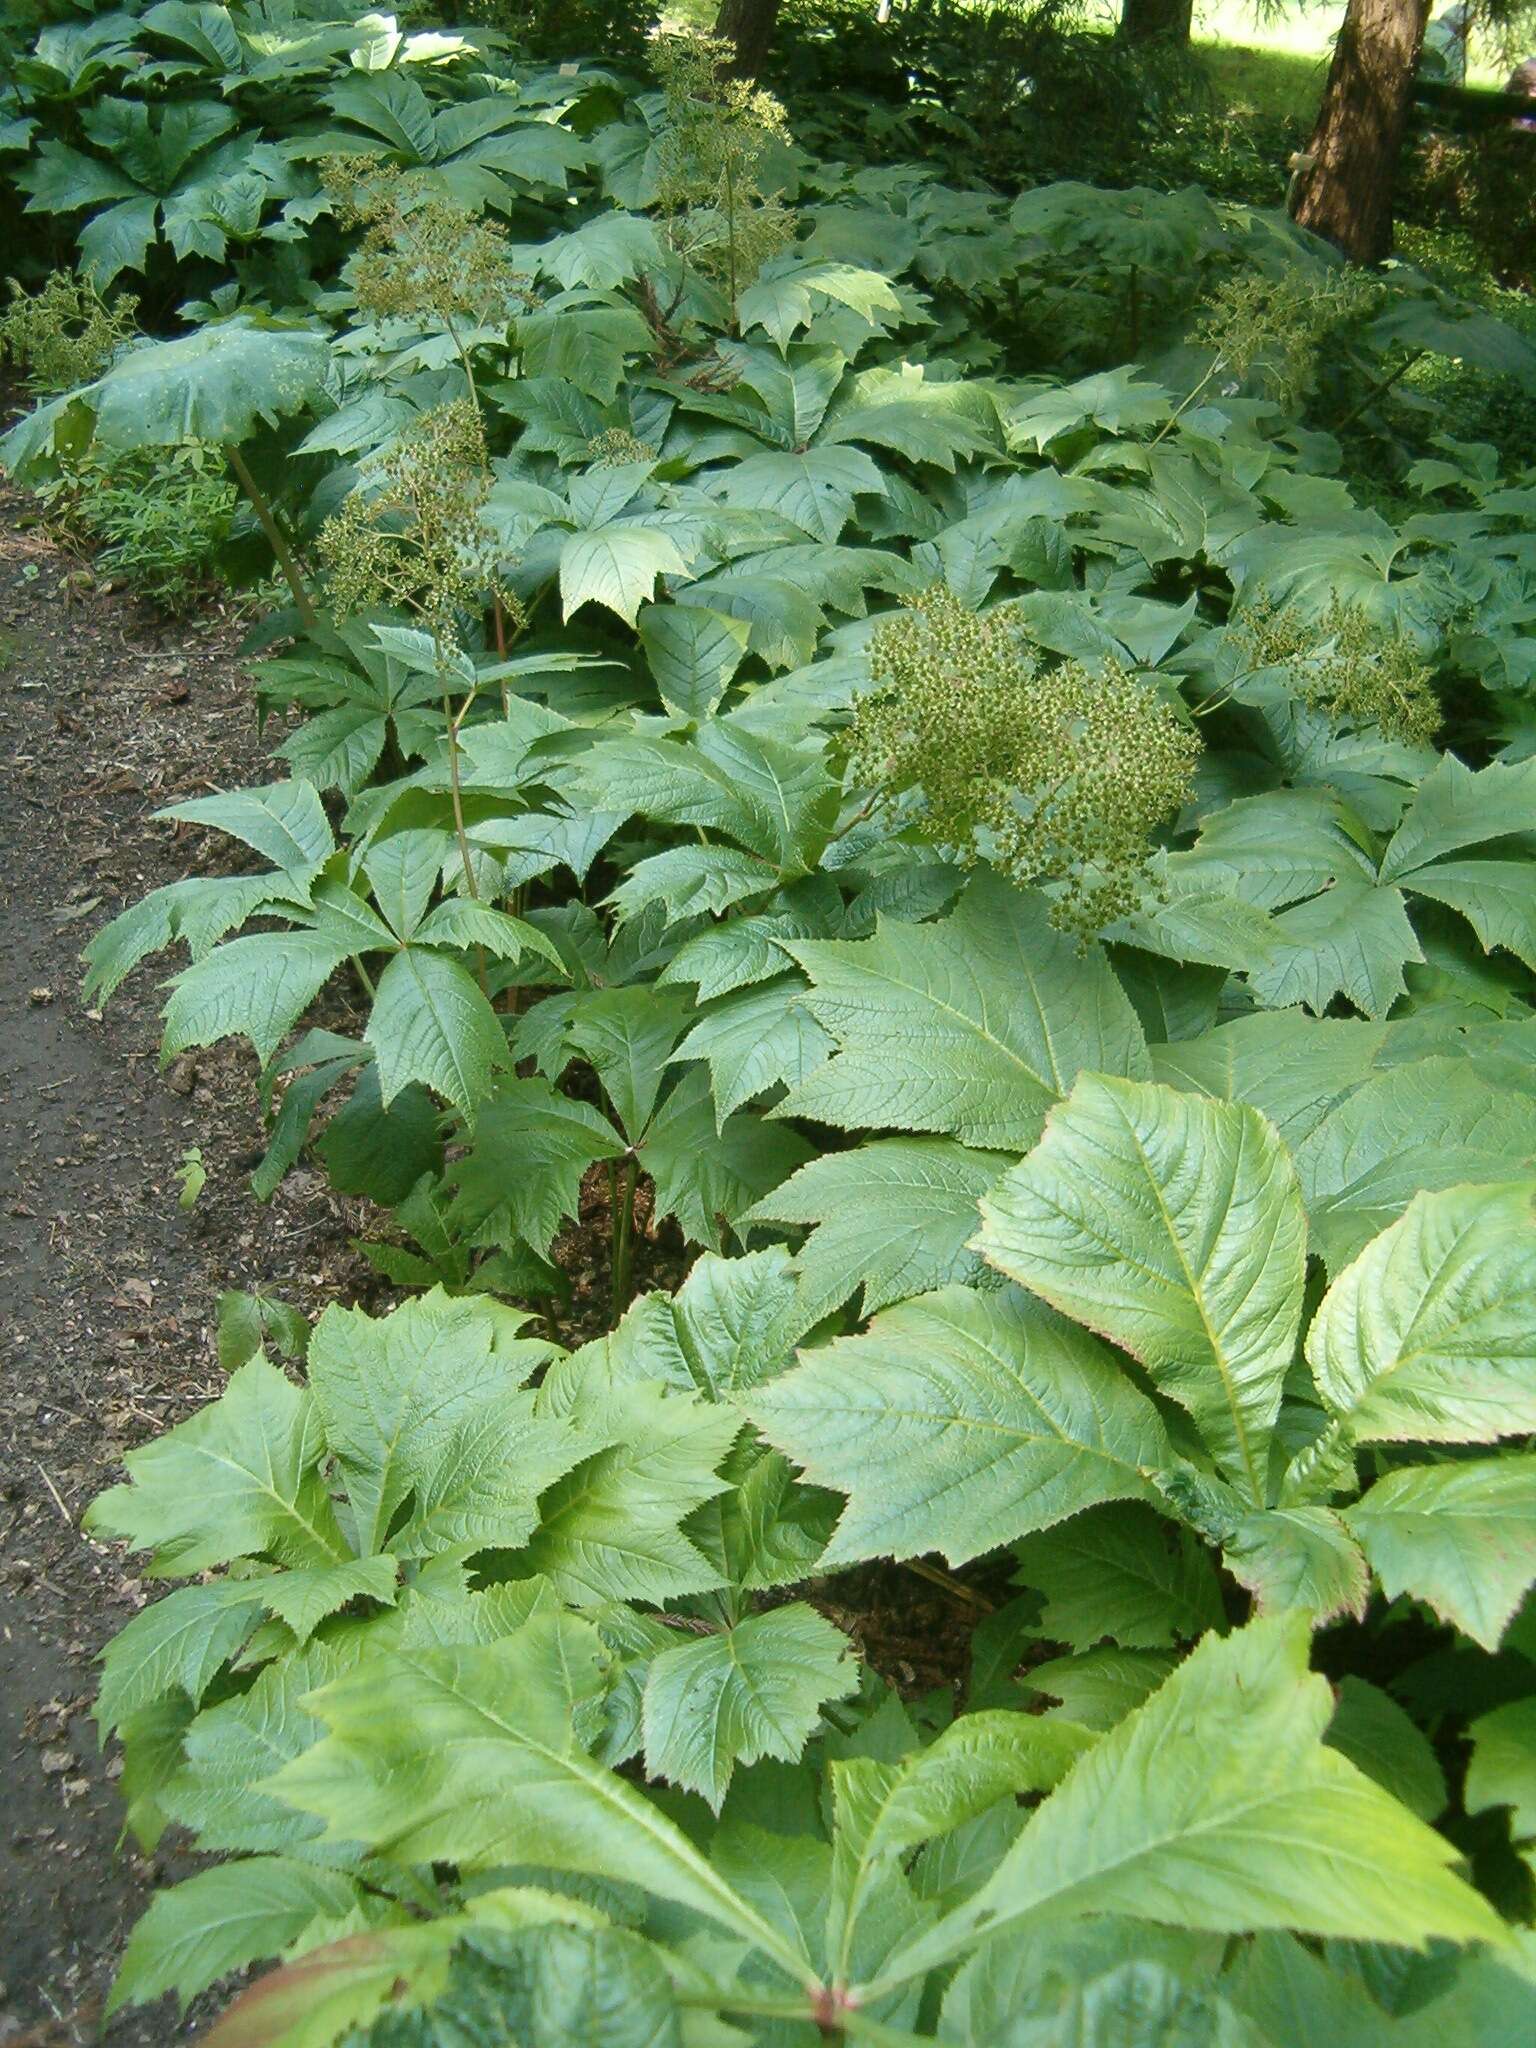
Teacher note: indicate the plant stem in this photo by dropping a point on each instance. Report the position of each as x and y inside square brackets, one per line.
[624, 1239]
[287, 561]
[1380, 389]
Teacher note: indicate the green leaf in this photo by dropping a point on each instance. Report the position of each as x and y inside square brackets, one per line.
[214, 385]
[1428, 1124]
[241, 1478]
[256, 988]
[960, 1422]
[882, 1810]
[393, 1390]
[1373, 1731]
[301, 1600]
[221, 1920]
[246, 1321]
[1300, 1559]
[610, 1529]
[1216, 1805]
[973, 1025]
[1174, 1225]
[693, 655]
[753, 1691]
[521, 1177]
[1120, 1572]
[707, 1174]
[1353, 940]
[755, 1040]
[1428, 1336]
[178, 1643]
[1455, 806]
[628, 1034]
[1460, 1537]
[432, 1023]
[285, 822]
[895, 1216]
[471, 1756]
[616, 566]
[813, 489]
[1502, 1770]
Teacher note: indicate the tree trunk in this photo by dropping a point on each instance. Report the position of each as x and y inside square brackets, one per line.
[749, 24]
[1343, 189]
[1156, 21]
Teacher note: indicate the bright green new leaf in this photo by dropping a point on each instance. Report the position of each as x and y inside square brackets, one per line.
[1461, 1537]
[753, 1691]
[1217, 1805]
[471, 1756]
[1429, 1336]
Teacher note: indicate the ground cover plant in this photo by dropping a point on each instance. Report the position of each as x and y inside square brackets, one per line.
[959, 771]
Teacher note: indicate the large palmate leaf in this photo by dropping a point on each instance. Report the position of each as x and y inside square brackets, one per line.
[1461, 1537]
[973, 1025]
[1217, 1805]
[521, 1176]
[1428, 1337]
[211, 385]
[960, 1421]
[755, 1690]
[1175, 1226]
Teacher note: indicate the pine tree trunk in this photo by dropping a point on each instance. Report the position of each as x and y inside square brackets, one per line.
[749, 24]
[1156, 21]
[1345, 192]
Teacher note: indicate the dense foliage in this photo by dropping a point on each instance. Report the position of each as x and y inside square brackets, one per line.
[865, 722]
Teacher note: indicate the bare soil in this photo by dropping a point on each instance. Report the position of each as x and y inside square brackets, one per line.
[108, 1289]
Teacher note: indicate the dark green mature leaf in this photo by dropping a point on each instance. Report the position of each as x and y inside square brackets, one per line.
[1175, 1226]
[521, 1177]
[1119, 1572]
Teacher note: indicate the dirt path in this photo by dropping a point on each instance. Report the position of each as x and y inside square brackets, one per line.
[107, 1288]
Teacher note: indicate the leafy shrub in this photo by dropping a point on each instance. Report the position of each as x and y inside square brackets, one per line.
[700, 637]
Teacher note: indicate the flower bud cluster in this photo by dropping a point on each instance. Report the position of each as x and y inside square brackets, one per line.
[420, 254]
[1342, 664]
[710, 153]
[410, 535]
[65, 334]
[1054, 773]
[1278, 325]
